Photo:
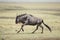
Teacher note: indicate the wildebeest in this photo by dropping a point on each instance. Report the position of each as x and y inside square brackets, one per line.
[28, 19]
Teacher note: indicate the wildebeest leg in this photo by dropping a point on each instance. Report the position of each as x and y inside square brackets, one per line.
[21, 28]
[36, 29]
[42, 28]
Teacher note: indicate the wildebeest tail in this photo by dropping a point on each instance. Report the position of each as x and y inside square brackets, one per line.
[47, 26]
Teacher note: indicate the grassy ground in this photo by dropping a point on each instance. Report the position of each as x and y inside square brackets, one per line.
[8, 28]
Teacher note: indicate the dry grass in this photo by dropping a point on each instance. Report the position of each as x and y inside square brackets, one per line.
[8, 28]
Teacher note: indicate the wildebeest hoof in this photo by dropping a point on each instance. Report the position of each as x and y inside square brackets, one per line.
[23, 30]
[18, 32]
[32, 32]
[41, 32]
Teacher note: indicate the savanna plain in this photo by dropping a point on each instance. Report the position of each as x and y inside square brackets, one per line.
[49, 12]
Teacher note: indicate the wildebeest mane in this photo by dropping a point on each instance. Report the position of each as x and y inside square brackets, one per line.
[21, 15]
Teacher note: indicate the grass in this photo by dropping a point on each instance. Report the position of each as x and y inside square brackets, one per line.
[8, 28]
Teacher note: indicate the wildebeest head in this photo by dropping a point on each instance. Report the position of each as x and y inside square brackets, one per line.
[18, 18]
